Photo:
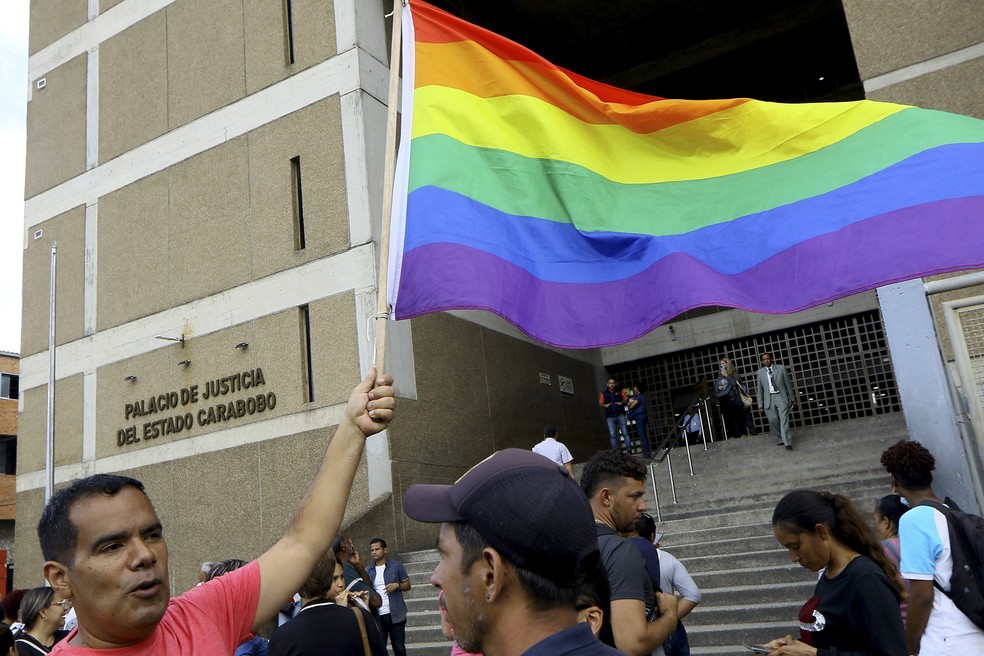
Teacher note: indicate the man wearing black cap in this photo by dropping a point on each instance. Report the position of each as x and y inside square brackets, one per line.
[642, 617]
[516, 540]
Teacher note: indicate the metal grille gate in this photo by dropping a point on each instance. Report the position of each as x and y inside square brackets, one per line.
[841, 369]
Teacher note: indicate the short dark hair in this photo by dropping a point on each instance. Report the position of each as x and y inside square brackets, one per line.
[550, 430]
[224, 567]
[595, 591]
[336, 544]
[646, 526]
[11, 603]
[891, 508]
[381, 542]
[910, 463]
[472, 543]
[320, 578]
[543, 594]
[608, 468]
[35, 601]
[56, 532]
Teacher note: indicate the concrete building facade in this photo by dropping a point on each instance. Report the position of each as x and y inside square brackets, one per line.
[211, 173]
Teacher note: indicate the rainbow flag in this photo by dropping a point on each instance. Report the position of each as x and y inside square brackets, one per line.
[588, 215]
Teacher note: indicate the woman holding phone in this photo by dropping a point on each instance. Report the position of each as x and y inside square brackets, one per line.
[854, 610]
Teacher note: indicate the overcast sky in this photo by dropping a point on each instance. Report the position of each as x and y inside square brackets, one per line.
[13, 98]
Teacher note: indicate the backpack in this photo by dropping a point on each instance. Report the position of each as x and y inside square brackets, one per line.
[967, 549]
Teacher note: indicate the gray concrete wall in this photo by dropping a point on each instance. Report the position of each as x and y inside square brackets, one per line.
[931, 411]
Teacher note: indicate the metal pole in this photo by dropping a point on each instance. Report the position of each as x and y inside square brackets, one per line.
[690, 458]
[389, 181]
[652, 477]
[669, 468]
[704, 425]
[49, 459]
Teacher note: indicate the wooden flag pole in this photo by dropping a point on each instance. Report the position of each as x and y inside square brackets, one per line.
[389, 171]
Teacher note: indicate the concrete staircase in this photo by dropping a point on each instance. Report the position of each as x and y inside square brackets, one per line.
[720, 528]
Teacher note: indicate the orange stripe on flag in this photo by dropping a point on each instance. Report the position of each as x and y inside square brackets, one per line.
[469, 67]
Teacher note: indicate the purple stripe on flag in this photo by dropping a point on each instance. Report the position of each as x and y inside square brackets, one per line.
[895, 246]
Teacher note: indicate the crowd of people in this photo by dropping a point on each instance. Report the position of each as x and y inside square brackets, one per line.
[774, 395]
[532, 563]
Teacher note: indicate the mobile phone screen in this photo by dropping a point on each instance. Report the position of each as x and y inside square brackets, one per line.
[758, 649]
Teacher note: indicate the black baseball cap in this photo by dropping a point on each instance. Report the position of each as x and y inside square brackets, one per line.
[529, 509]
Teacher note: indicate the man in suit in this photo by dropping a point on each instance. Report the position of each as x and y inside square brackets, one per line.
[774, 389]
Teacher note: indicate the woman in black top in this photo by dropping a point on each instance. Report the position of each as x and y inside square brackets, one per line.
[726, 387]
[854, 610]
[42, 615]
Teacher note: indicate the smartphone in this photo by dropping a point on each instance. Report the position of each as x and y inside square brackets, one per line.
[758, 649]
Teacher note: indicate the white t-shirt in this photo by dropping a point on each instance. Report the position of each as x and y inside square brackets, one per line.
[380, 584]
[556, 451]
[926, 556]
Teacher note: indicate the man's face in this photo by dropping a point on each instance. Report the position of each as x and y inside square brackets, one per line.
[119, 581]
[348, 547]
[462, 594]
[612, 384]
[627, 504]
[766, 360]
[377, 551]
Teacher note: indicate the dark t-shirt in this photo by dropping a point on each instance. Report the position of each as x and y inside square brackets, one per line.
[28, 646]
[323, 628]
[574, 641]
[639, 410]
[857, 612]
[649, 556]
[6, 639]
[627, 575]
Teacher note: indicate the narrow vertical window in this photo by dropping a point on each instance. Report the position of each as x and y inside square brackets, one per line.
[295, 180]
[308, 363]
[289, 23]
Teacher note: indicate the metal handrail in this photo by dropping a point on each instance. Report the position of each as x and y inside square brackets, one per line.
[662, 450]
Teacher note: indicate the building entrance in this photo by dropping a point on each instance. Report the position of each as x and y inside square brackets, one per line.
[841, 369]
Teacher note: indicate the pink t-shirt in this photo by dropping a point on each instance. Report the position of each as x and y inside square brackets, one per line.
[207, 620]
[891, 547]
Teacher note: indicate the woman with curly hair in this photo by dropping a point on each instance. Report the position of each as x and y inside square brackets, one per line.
[855, 605]
[934, 625]
[726, 388]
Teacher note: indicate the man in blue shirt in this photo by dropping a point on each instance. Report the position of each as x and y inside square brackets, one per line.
[516, 541]
[390, 579]
[613, 401]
